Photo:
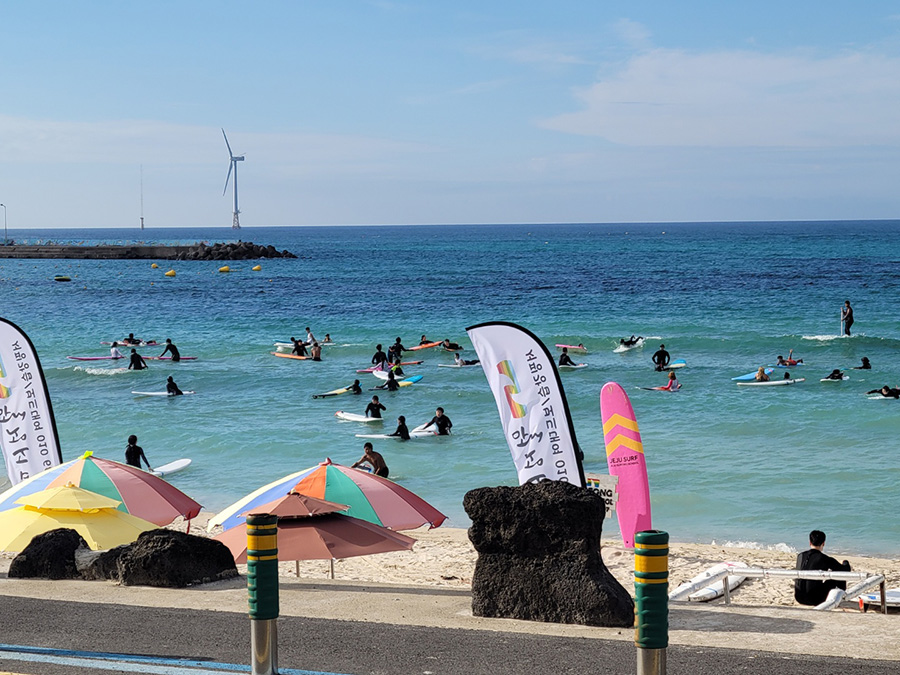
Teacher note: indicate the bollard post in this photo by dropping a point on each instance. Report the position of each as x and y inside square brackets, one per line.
[262, 587]
[651, 608]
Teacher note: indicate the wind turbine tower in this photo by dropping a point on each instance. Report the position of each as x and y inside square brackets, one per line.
[235, 222]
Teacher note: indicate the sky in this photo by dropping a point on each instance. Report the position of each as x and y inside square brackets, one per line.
[394, 112]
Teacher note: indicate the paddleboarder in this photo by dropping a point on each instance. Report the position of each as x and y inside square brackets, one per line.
[846, 317]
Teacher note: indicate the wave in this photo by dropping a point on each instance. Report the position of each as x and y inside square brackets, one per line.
[825, 338]
[100, 371]
[756, 546]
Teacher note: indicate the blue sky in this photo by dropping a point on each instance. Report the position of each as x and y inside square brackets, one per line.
[383, 112]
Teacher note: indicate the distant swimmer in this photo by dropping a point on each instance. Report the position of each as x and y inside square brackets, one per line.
[395, 351]
[402, 431]
[114, 351]
[171, 349]
[464, 362]
[172, 388]
[450, 346]
[835, 374]
[379, 357]
[846, 317]
[761, 375]
[441, 422]
[661, 358]
[309, 337]
[316, 351]
[565, 359]
[355, 388]
[327, 340]
[373, 459]
[299, 348]
[865, 365]
[374, 408]
[789, 361]
[886, 391]
[630, 342]
[137, 361]
[135, 453]
[672, 384]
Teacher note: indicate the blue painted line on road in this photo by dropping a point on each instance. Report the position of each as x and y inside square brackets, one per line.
[135, 663]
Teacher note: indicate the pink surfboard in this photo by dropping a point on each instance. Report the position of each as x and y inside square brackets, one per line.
[625, 456]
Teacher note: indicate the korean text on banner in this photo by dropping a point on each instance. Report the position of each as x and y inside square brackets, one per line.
[531, 402]
[28, 437]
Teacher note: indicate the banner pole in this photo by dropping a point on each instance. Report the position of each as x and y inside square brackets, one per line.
[651, 609]
[262, 587]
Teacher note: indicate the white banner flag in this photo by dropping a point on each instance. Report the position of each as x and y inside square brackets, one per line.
[531, 402]
[28, 437]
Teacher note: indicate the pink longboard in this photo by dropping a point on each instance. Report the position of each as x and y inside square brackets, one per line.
[625, 456]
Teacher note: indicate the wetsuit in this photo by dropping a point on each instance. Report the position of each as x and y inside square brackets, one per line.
[566, 360]
[811, 591]
[172, 389]
[379, 358]
[451, 346]
[442, 423]
[391, 385]
[847, 317]
[299, 349]
[892, 393]
[661, 359]
[137, 362]
[173, 350]
[374, 410]
[133, 456]
[355, 388]
[402, 432]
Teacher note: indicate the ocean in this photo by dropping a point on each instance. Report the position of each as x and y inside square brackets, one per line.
[761, 467]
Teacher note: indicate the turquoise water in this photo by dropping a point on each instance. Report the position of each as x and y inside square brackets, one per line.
[726, 463]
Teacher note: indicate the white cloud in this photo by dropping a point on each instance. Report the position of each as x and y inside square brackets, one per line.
[633, 34]
[671, 97]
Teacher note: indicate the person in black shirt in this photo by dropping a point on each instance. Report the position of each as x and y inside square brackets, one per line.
[565, 359]
[402, 430]
[865, 365]
[299, 348]
[441, 422]
[137, 361]
[171, 349]
[886, 391]
[172, 388]
[379, 357]
[355, 388]
[661, 358]
[391, 384]
[812, 591]
[374, 408]
[847, 317]
[395, 352]
[135, 453]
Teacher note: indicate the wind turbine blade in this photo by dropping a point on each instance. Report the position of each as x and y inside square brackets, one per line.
[228, 177]
[228, 145]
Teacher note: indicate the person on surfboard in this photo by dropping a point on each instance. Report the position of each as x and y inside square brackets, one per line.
[373, 459]
[391, 384]
[789, 361]
[886, 391]
[402, 430]
[565, 359]
[630, 342]
[355, 388]
[449, 346]
[424, 341]
[673, 384]
[661, 358]
[171, 349]
[172, 388]
[464, 362]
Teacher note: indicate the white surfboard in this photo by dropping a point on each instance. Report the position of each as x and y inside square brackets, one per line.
[891, 598]
[353, 417]
[575, 367]
[459, 365]
[412, 435]
[771, 383]
[831, 379]
[621, 349]
[171, 467]
[705, 593]
[160, 393]
[382, 375]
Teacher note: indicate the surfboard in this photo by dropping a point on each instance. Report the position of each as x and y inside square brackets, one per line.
[676, 364]
[573, 348]
[383, 375]
[403, 383]
[459, 365]
[335, 392]
[353, 417]
[169, 358]
[831, 379]
[660, 388]
[372, 369]
[575, 367]
[771, 383]
[796, 365]
[427, 345]
[891, 598]
[96, 358]
[705, 593]
[412, 435]
[161, 393]
[621, 348]
[625, 457]
[291, 356]
[151, 343]
[171, 467]
[751, 376]
[879, 397]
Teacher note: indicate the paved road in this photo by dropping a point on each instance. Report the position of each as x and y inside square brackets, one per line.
[358, 648]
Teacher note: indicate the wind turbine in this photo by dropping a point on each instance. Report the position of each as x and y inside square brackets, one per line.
[235, 222]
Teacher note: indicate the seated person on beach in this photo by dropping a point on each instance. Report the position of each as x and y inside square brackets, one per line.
[761, 375]
[374, 408]
[171, 349]
[135, 453]
[673, 384]
[446, 344]
[316, 351]
[865, 365]
[172, 388]
[565, 359]
[299, 348]
[114, 351]
[661, 358]
[835, 374]
[886, 391]
[464, 362]
[811, 591]
[137, 361]
[373, 459]
[402, 431]
[441, 422]
[355, 388]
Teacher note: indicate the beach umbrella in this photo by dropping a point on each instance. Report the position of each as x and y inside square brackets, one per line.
[137, 492]
[369, 497]
[327, 537]
[295, 505]
[95, 517]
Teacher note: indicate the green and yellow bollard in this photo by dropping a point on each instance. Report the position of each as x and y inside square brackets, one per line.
[651, 608]
[262, 586]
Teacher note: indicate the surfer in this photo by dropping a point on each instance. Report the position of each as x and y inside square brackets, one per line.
[135, 453]
[355, 388]
[379, 357]
[316, 351]
[137, 361]
[761, 375]
[865, 365]
[402, 430]
[464, 362]
[114, 351]
[395, 351]
[441, 422]
[565, 359]
[391, 384]
[673, 384]
[450, 346]
[373, 459]
[131, 340]
[171, 349]
[846, 317]
[172, 388]
[630, 342]
[299, 348]
[396, 371]
[424, 341]
[789, 361]
[374, 408]
[835, 374]
[886, 391]
[812, 591]
[661, 358]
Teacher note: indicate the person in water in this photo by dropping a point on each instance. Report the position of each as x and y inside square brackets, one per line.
[846, 317]
[835, 374]
[131, 340]
[761, 375]
[402, 430]
[171, 349]
[172, 388]
[672, 384]
[309, 337]
[395, 351]
[114, 351]
[327, 340]
[355, 388]
[630, 342]
[661, 358]
[299, 348]
[789, 361]
[812, 591]
[316, 351]
[886, 391]
[391, 384]
[137, 361]
[464, 362]
[374, 408]
[379, 357]
[450, 346]
[373, 459]
[441, 422]
[396, 371]
[424, 341]
[565, 359]
[135, 453]
[865, 365]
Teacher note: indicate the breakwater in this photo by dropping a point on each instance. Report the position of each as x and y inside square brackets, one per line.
[242, 250]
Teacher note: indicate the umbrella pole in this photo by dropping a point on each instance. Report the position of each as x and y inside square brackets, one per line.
[297, 568]
[187, 529]
[332, 567]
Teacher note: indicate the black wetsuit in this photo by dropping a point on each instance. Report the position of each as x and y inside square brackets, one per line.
[379, 357]
[566, 360]
[395, 352]
[299, 349]
[661, 359]
[173, 390]
[811, 591]
[391, 385]
[173, 350]
[402, 432]
[133, 456]
[892, 393]
[374, 410]
[137, 362]
[442, 423]
[355, 388]
[847, 316]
